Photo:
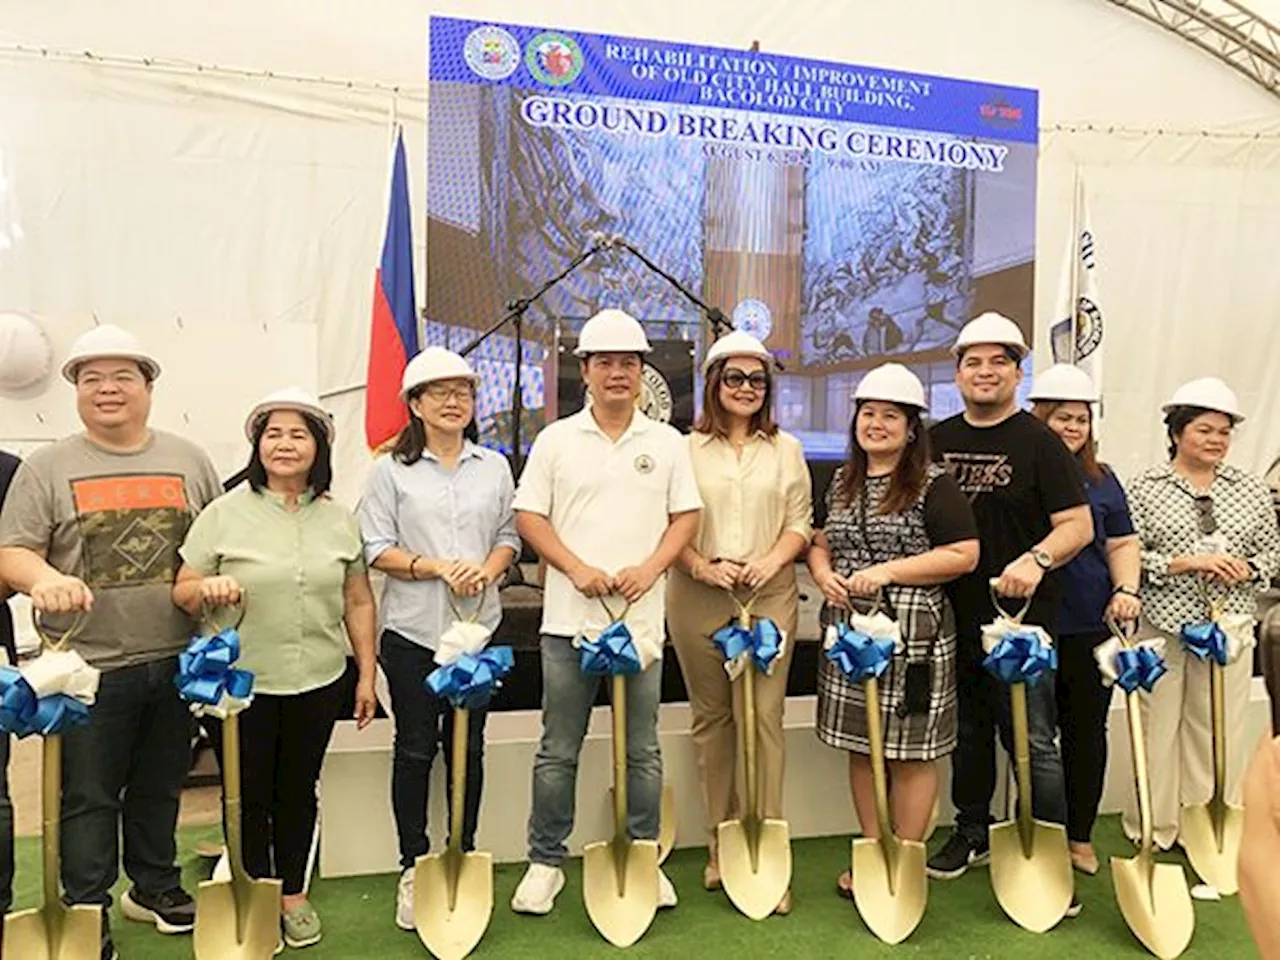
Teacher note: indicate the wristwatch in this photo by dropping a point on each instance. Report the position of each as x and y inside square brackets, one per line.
[1043, 558]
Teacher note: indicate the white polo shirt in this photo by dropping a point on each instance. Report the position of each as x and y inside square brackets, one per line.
[610, 503]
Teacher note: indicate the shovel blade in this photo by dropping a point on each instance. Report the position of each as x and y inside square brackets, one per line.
[1157, 906]
[891, 907]
[1034, 890]
[1196, 834]
[621, 906]
[218, 923]
[30, 933]
[451, 934]
[755, 892]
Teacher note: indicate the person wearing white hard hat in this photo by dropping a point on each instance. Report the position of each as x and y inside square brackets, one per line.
[1033, 518]
[897, 525]
[757, 516]
[436, 517]
[292, 556]
[1208, 534]
[92, 524]
[1101, 583]
[608, 500]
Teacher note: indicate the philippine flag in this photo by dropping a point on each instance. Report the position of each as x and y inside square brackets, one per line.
[393, 335]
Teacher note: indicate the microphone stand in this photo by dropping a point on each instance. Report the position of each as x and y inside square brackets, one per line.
[720, 324]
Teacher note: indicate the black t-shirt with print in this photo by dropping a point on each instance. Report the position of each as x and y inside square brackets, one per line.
[1016, 474]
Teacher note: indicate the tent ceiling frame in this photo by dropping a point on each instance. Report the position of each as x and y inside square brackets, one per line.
[1226, 29]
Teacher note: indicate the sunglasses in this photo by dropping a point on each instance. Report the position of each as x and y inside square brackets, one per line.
[735, 379]
[1204, 507]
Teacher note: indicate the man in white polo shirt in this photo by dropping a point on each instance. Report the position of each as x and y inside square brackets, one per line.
[608, 500]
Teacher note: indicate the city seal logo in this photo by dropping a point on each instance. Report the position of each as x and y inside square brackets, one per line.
[1088, 327]
[491, 53]
[644, 463]
[554, 59]
[655, 401]
[753, 317]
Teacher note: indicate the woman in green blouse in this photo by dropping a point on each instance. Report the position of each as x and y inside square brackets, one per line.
[296, 555]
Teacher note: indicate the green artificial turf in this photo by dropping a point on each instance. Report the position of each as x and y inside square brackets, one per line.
[963, 920]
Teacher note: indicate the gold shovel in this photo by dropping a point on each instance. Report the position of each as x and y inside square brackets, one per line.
[1030, 862]
[889, 883]
[620, 876]
[754, 854]
[453, 891]
[1153, 897]
[236, 919]
[54, 931]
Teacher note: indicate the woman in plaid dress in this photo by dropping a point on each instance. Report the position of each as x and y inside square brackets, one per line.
[896, 523]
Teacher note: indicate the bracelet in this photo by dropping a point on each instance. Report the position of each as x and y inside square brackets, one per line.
[1127, 591]
[412, 563]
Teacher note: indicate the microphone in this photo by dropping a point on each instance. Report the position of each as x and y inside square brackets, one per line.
[597, 240]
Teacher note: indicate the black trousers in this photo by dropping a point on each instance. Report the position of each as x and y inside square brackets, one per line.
[1083, 702]
[282, 745]
[424, 723]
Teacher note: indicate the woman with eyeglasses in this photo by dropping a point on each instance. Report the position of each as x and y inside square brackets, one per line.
[437, 519]
[756, 519]
[1207, 532]
[1100, 583]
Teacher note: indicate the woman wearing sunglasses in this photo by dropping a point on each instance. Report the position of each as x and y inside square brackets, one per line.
[756, 519]
[1207, 532]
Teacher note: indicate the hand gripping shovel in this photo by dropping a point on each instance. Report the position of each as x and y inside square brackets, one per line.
[54, 931]
[890, 887]
[1030, 862]
[620, 876]
[754, 854]
[236, 919]
[1211, 832]
[1153, 897]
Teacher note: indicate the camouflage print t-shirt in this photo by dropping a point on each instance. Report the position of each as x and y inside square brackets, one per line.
[116, 521]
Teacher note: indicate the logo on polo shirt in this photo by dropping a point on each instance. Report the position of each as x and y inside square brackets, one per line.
[644, 463]
[655, 400]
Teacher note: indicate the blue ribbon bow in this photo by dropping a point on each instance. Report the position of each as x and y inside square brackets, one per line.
[22, 713]
[469, 682]
[205, 672]
[611, 653]
[1205, 639]
[763, 641]
[859, 655]
[1139, 667]
[1020, 657]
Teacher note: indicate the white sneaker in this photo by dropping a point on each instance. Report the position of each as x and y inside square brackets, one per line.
[666, 892]
[538, 889]
[404, 901]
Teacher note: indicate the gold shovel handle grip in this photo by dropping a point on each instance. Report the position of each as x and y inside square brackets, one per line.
[48, 642]
[995, 602]
[209, 618]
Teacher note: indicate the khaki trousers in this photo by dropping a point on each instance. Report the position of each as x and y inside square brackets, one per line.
[694, 612]
[1177, 723]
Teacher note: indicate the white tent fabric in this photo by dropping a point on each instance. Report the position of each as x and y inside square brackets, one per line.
[234, 219]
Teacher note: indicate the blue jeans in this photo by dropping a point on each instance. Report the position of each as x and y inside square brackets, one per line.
[122, 773]
[567, 698]
[984, 709]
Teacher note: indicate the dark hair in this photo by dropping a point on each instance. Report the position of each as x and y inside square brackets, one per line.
[908, 478]
[715, 420]
[1177, 419]
[411, 442]
[1011, 352]
[319, 477]
[1042, 410]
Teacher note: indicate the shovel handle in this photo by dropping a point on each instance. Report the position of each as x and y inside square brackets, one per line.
[1218, 710]
[461, 718]
[1138, 743]
[879, 778]
[1022, 763]
[618, 711]
[51, 815]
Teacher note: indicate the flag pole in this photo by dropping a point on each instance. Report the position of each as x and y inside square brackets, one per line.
[1076, 215]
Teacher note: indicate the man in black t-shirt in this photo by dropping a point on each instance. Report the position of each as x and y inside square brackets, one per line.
[1033, 517]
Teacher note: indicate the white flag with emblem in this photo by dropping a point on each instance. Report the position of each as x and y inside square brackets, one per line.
[1077, 332]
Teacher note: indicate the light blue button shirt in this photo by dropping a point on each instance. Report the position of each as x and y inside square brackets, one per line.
[425, 508]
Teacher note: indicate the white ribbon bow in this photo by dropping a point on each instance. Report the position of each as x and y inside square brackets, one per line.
[1106, 652]
[464, 636]
[62, 671]
[876, 625]
[1239, 630]
[996, 631]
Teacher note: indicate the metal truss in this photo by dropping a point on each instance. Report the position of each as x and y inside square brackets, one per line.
[1228, 30]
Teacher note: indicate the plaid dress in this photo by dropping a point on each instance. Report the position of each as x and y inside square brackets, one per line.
[928, 630]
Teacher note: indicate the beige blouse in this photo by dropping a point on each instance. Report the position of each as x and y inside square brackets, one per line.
[750, 501]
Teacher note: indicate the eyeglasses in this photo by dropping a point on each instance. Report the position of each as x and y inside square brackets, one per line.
[443, 391]
[95, 381]
[735, 379]
[1207, 522]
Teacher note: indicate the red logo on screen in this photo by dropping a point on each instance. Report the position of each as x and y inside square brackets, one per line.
[999, 113]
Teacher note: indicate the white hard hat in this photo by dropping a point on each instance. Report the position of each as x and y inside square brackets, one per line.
[290, 398]
[894, 383]
[1064, 381]
[1209, 393]
[737, 343]
[26, 355]
[104, 341]
[435, 363]
[991, 327]
[612, 331]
